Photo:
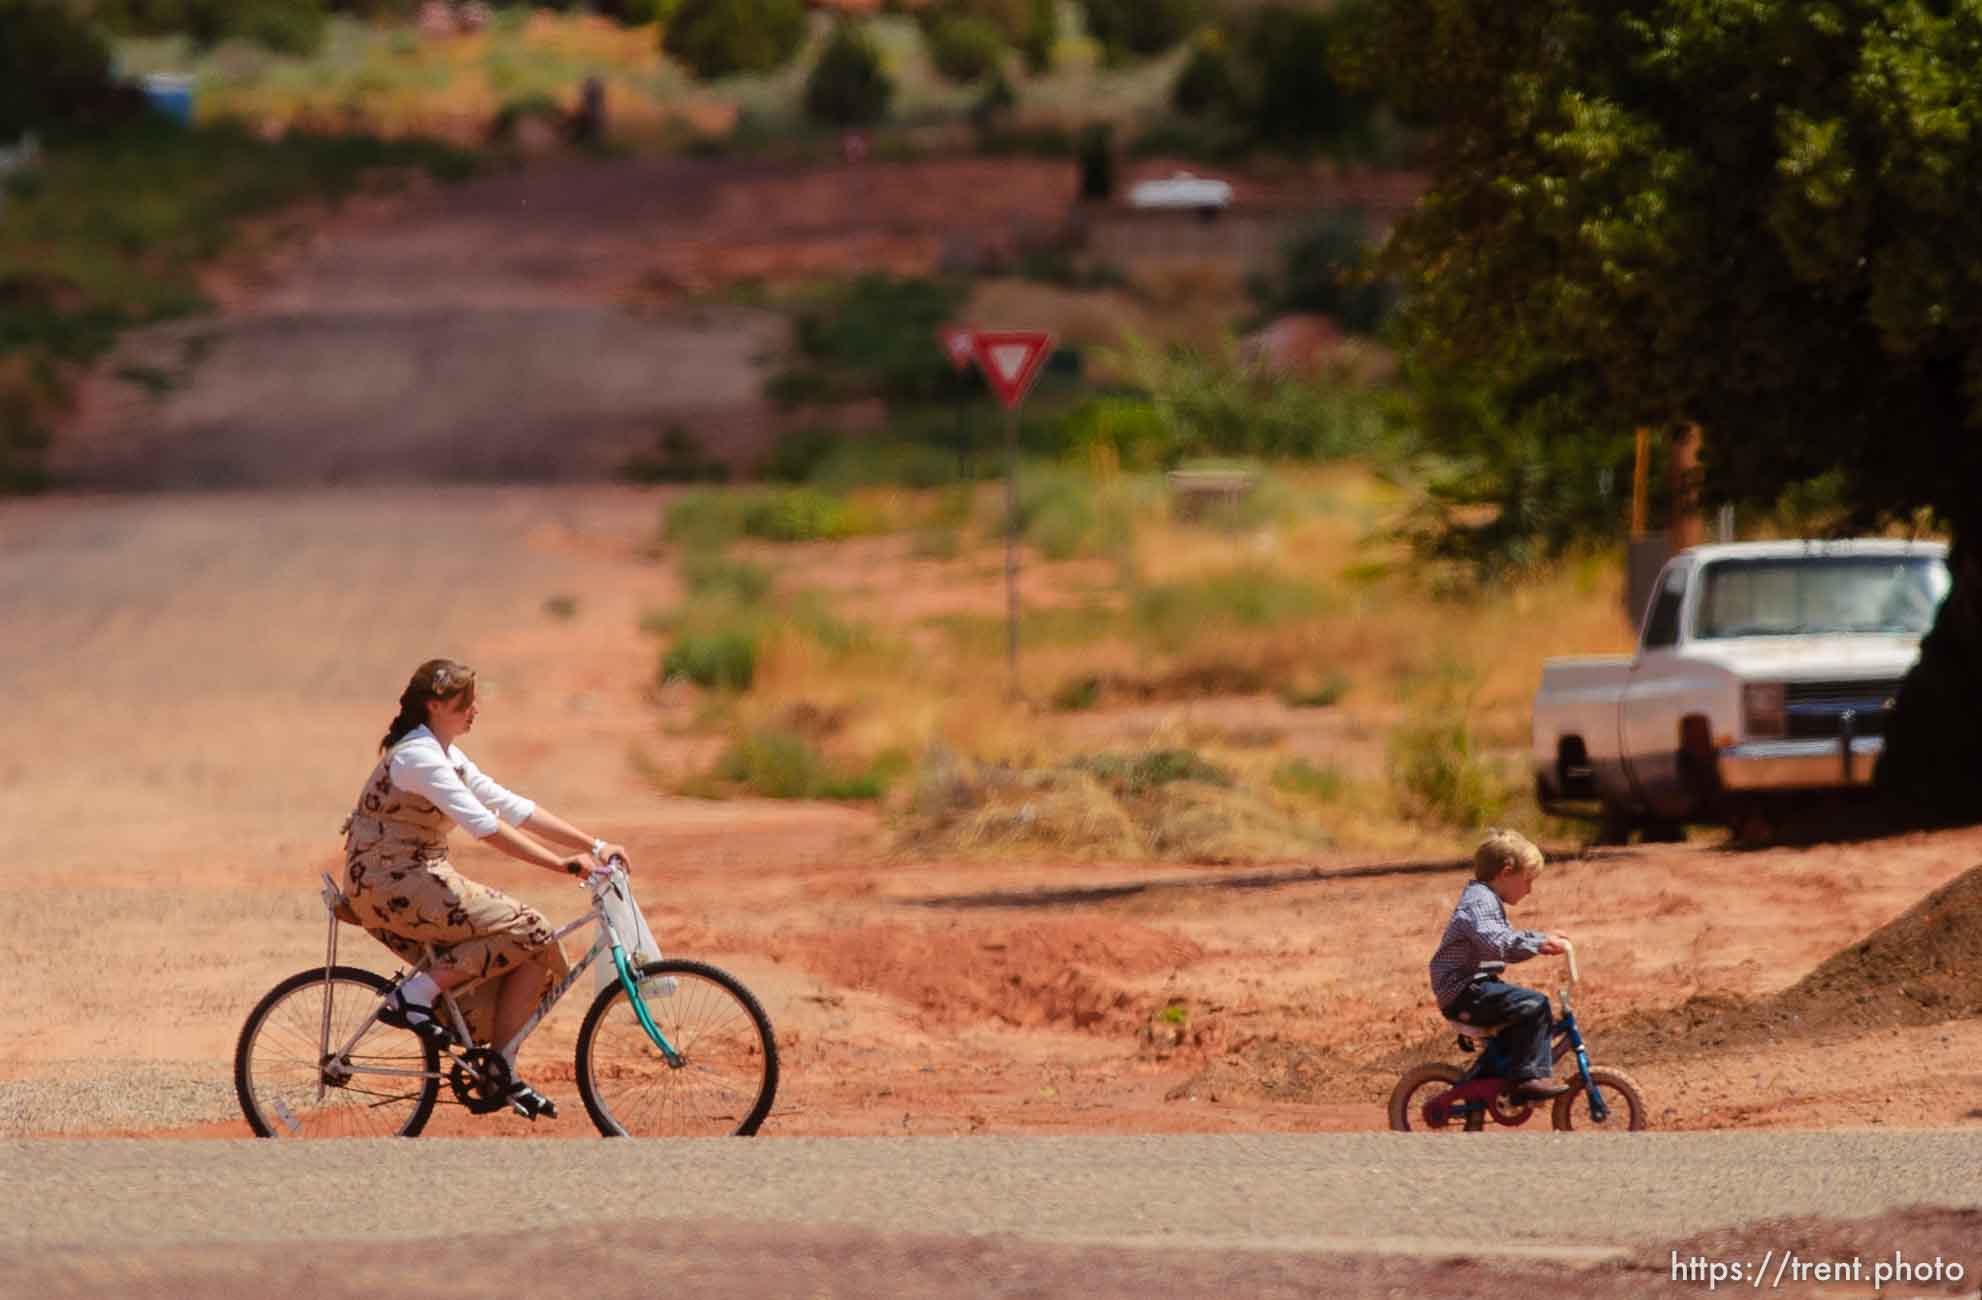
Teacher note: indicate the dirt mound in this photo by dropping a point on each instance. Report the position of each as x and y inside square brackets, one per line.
[1282, 1069]
[1037, 974]
[1922, 968]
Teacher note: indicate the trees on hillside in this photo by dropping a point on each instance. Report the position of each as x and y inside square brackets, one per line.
[1760, 217]
[717, 38]
[51, 66]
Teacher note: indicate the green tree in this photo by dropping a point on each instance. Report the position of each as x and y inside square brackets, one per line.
[51, 66]
[1757, 216]
[1141, 27]
[848, 86]
[717, 38]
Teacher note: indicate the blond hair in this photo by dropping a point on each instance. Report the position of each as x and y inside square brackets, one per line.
[1504, 850]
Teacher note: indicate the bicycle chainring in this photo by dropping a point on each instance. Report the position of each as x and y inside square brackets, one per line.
[480, 1079]
[1506, 1109]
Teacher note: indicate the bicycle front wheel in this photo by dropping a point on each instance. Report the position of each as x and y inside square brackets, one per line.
[728, 1070]
[292, 1085]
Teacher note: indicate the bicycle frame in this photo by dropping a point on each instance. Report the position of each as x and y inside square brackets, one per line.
[1492, 1066]
[605, 940]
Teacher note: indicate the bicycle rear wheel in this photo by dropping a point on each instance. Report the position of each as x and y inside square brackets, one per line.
[1419, 1085]
[729, 1062]
[385, 1087]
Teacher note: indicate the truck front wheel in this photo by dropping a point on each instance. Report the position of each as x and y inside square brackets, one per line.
[1615, 824]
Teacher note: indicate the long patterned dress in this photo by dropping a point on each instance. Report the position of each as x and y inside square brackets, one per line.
[407, 895]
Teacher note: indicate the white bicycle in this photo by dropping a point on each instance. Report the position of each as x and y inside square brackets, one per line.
[671, 1049]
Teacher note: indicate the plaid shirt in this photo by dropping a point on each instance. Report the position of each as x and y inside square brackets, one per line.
[1478, 941]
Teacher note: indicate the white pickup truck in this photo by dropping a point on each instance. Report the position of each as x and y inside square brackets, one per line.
[1765, 671]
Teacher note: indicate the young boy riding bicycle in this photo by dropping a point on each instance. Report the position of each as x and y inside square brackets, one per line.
[1478, 946]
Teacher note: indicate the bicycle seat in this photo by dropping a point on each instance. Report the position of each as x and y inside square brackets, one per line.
[339, 905]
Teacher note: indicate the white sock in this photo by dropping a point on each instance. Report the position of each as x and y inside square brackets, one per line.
[419, 990]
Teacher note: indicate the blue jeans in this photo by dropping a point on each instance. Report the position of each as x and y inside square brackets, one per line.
[1524, 1043]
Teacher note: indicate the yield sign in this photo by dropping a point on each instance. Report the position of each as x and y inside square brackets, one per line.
[959, 345]
[1011, 360]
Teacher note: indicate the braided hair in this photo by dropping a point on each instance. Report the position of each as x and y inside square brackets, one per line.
[436, 679]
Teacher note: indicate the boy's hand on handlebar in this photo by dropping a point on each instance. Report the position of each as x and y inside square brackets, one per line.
[1554, 945]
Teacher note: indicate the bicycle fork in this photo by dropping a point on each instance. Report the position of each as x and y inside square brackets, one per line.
[674, 1059]
[1599, 1110]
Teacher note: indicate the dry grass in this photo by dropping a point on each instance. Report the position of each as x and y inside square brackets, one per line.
[1196, 638]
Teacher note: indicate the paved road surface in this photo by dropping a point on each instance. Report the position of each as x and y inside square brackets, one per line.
[1332, 1192]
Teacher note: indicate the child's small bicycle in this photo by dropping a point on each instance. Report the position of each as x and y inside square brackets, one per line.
[670, 1049]
[1436, 1097]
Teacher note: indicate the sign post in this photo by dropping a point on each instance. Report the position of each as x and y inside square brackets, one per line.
[959, 345]
[1011, 360]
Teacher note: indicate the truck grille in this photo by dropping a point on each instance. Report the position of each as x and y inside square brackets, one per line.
[1816, 709]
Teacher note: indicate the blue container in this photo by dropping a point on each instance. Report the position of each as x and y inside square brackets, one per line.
[171, 95]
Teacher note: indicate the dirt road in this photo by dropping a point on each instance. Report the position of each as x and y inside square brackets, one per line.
[539, 325]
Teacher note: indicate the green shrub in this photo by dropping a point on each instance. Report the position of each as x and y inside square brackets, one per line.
[1438, 775]
[1041, 34]
[1077, 693]
[1057, 513]
[847, 86]
[1175, 614]
[722, 660]
[52, 66]
[706, 519]
[804, 514]
[293, 27]
[964, 49]
[774, 763]
[1133, 428]
[711, 575]
[797, 454]
[1298, 101]
[710, 520]
[718, 38]
[638, 13]
[1324, 696]
[1136, 774]
[1209, 81]
[1141, 27]
[679, 458]
[1299, 777]
[1221, 407]
[780, 764]
[1324, 268]
[875, 336]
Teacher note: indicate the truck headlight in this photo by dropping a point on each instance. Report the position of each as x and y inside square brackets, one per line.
[1762, 703]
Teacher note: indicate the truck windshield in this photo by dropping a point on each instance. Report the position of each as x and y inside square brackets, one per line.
[1801, 595]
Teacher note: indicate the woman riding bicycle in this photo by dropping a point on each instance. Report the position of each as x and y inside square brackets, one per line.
[407, 894]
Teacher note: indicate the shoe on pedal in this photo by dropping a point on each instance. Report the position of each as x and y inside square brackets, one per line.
[529, 1103]
[419, 1020]
[1540, 1089]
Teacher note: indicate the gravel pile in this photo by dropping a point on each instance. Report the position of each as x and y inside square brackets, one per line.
[115, 1096]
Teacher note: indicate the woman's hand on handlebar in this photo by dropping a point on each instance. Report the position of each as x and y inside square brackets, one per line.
[610, 852]
[581, 866]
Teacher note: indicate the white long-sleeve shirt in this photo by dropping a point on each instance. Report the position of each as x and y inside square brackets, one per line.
[450, 782]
